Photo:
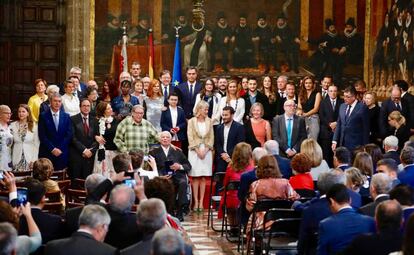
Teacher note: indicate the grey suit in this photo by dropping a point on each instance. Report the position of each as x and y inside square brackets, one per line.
[280, 135]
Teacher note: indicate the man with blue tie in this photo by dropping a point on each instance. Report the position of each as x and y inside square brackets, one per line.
[289, 130]
[55, 134]
[187, 92]
[352, 128]
[166, 86]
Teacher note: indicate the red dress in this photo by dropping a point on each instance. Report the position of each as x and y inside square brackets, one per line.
[302, 181]
[232, 199]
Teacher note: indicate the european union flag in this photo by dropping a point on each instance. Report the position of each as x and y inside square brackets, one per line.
[176, 77]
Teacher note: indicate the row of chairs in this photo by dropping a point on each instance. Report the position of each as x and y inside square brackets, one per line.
[285, 222]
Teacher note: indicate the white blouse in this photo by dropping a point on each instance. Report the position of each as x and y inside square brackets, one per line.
[238, 106]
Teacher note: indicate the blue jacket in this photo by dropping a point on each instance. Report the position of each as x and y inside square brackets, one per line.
[406, 176]
[284, 166]
[166, 123]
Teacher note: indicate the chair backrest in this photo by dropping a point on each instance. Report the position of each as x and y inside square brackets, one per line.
[59, 175]
[78, 184]
[267, 204]
[233, 185]
[218, 176]
[23, 173]
[285, 221]
[76, 196]
[53, 196]
[54, 207]
[64, 185]
[308, 193]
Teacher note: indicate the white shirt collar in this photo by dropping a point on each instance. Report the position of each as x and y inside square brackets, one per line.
[57, 113]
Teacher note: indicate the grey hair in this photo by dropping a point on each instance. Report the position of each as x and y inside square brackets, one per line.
[381, 182]
[93, 181]
[55, 95]
[122, 198]
[258, 153]
[151, 215]
[284, 77]
[75, 68]
[52, 87]
[167, 241]
[407, 155]
[164, 132]
[272, 147]
[8, 238]
[289, 101]
[391, 141]
[327, 179]
[138, 106]
[93, 216]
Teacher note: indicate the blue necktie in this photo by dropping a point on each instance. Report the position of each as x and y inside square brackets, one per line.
[191, 92]
[165, 96]
[56, 121]
[289, 133]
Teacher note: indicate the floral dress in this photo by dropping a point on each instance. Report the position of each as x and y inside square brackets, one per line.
[6, 142]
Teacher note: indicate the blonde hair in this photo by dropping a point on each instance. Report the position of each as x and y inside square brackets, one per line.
[313, 150]
[201, 105]
[398, 117]
[257, 104]
[354, 178]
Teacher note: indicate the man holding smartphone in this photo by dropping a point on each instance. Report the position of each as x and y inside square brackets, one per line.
[174, 164]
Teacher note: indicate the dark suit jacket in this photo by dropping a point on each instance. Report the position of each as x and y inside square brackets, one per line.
[284, 166]
[393, 155]
[170, 90]
[337, 231]
[187, 102]
[353, 131]
[144, 247]
[123, 229]
[50, 138]
[166, 123]
[80, 243]
[246, 179]
[327, 115]
[260, 98]
[387, 107]
[280, 135]
[176, 156]
[369, 209]
[236, 135]
[80, 167]
[407, 176]
[72, 219]
[382, 243]
[409, 101]
[50, 225]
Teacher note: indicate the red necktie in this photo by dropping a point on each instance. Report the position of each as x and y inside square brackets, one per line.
[85, 126]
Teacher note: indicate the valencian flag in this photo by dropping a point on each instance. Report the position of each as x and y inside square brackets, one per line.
[123, 60]
[151, 55]
[176, 77]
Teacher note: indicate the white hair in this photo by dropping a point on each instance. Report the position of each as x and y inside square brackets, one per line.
[391, 141]
[75, 68]
[272, 147]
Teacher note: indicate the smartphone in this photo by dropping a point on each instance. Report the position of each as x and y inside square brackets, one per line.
[1, 175]
[130, 174]
[146, 158]
[130, 183]
[167, 165]
[21, 196]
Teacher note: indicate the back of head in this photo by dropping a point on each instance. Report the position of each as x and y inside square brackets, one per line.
[93, 216]
[258, 153]
[268, 168]
[161, 188]
[313, 150]
[93, 181]
[343, 155]
[339, 193]
[388, 215]
[404, 194]
[121, 162]
[301, 163]
[272, 147]
[407, 155]
[151, 216]
[42, 169]
[242, 155]
[408, 244]
[137, 157]
[391, 141]
[363, 162]
[8, 237]
[327, 179]
[167, 241]
[122, 198]
[354, 178]
[35, 191]
[381, 182]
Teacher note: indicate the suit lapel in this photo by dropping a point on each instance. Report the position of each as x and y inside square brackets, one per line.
[354, 111]
[295, 128]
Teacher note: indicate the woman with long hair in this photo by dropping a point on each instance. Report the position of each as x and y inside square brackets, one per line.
[138, 88]
[313, 150]
[154, 103]
[6, 138]
[109, 90]
[268, 90]
[400, 129]
[234, 100]
[212, 97]
[37, 99]
[258, 130]
[25, 140]
[107, 150]
[200, 151]
[308, 105]
[363, 162]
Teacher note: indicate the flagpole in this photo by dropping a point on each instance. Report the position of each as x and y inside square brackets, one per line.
[151, 55]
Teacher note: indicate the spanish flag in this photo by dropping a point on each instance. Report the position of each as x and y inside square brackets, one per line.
[151, 55]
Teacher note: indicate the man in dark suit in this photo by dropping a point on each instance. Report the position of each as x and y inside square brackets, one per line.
[228, 135]
[77, 72]
[379, 187]
[337, 231]
[289, 130]
[406, 176]
[342, 158]
[179, 129]
[166, 86]
[328, 115]
[55, 134]
[390, 168]
[93, 226]
[187, 92]
[122, 232]
[80, 91]
[151, 217]
[352, 127]
[408, 99]
[388, 239]
[50, 225]
[83, 146]
[173, 163]
[272, 147]
[391, 148]
[254, 96]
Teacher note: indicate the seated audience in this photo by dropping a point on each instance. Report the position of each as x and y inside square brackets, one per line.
[342, 158]
[42, 170]
[313, 150]
[406, 176]
[337, 231]
[8, 238]
[391, 148]
[389, 167]
[363, 162]
[301, 166]
[354, 179]
[167, 241]
[387, 239]
[404, 194]
[379, 188]
[376, 154]
[272, 147]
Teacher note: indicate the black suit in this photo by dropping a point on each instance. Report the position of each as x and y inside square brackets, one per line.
[187, 101]
[235, 136]
[393, 155]
[170, 90]
[387, 107]
[382, 243]
[260, 98]
[179, 178]
[50, 225]
[144, 247]
[72, 219]
[409, 101]
[279, 133]
[328, 114]
[369, 209]
[79, 166]
[80, 243]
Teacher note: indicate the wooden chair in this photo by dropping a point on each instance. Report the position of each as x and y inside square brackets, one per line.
[78, 184]
[53, 207]
[59, 175]
[22, 174]
[75, 196]
[64, 186]
[53, 197]
[73, 205]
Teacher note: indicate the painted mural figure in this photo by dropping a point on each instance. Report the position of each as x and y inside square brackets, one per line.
[263, 35]
[354, 43]
[243, 53]
[220, 41]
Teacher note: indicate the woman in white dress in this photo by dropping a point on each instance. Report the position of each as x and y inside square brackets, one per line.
[6, 138]
[212, 98]
[234, 100]
[25, 140]
[200, 146]
[154, 104]
[69, 101]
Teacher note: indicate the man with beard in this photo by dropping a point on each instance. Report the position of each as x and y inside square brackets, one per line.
[184, 28]
[354, 42]
[243, 46]
[220, 41]
[287, 42]
[263, 35]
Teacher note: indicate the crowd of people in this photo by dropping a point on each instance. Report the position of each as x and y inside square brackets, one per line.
[281, 140]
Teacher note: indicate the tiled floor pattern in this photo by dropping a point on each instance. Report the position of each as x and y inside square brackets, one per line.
[205, 241]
